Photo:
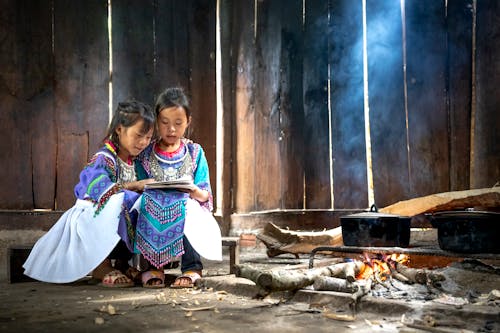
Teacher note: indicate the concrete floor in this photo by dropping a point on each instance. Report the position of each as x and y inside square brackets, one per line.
[223, 303]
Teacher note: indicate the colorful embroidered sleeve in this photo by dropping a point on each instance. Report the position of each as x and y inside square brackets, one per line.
[98, 180]
[202, 174]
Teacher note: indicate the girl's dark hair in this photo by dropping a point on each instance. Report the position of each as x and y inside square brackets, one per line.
[128, 114]
[172, 97]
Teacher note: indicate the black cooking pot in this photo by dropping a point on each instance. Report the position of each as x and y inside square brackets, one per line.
[468, 231]
[375, 229]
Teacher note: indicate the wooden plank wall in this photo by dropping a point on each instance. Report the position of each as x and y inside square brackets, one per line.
[426, 93]
[53, 94]
[54, 83]
[316, 107]
[459, 86]
[268, 60]
[293, 79]
[243, 44]
[428, 132]
[159, 44]
[201, 62]
[28, 132]
[485, 171]
[133, 50]
[350, 184]
[81, 88]
[387, 114]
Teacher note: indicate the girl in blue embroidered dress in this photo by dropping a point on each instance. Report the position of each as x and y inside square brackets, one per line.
[100, 223]
[160, 234]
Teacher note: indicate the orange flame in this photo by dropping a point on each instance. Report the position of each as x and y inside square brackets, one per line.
[381, 266]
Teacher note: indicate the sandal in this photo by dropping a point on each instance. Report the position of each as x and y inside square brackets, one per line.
[149, 277]
[192, 276]
[110, 280]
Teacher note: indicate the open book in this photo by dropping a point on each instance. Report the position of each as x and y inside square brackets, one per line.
[176, 184]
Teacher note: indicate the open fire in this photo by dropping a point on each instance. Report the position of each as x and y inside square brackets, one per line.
[382, 266]
[377, 277]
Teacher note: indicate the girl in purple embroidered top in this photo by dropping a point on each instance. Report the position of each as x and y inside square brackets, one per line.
[99, 226]
[175, 223]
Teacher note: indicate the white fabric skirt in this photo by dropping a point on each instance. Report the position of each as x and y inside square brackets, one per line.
[203, 231]
[77, 243]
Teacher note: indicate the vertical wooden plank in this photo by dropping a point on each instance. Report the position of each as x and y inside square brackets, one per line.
[350, 186]
[387, 101]
[486, 136]
[244, 63]
[133, 50]
[26, 73]
[290, 106]
[70, 163]
[44, 149]
[267, 113]
[225, 170]
[39, 78]
[202, 90]
[427, 113]
[459, 27]
[316, 113]
[15, 145]
[81, 91]
[171, 45]
[14, 118]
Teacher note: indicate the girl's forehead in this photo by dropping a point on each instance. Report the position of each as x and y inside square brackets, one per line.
[173, 112]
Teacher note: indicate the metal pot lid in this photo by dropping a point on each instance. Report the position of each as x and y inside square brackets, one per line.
[466, 214]
[373, 213]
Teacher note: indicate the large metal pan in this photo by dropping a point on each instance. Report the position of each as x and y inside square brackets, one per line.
[374, 229]
[468, 231]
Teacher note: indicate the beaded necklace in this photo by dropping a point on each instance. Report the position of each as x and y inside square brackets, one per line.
[126, 172]
[171, 172]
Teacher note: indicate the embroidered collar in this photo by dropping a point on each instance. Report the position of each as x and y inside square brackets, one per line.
[168, 154]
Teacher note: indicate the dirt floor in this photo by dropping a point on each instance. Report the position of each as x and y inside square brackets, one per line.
[228, 304]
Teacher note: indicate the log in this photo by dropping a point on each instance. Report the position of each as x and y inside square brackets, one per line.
[346, 270]
[414, 275]
[420, 276]
[334, 284]
[400, 277]
[282, 280]
[277, 280]
[434, 277]
[485, 198]
[280, 241]
[285, 279]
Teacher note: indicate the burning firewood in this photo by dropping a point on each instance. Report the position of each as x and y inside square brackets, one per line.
[281, 280]
[354, 277]
[419, 276]
[346, 270]
[400, 277]
[278, 280]
[413, 275]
